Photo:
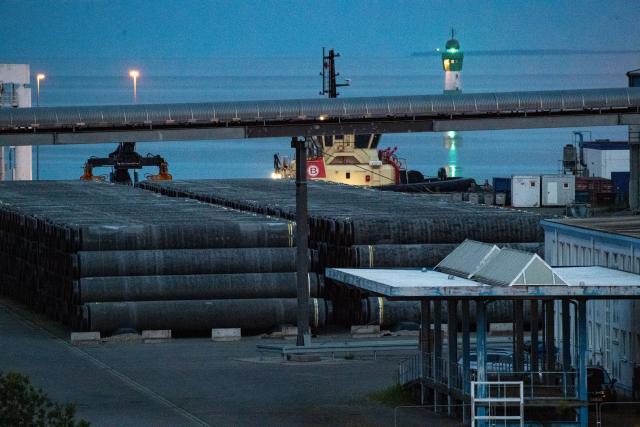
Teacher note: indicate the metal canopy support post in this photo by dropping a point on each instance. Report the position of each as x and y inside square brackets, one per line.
[466, 365]
[634, 168]
[437, 348]
[302, 242]
[481, 348]
[534, 335]
[582, 362]
[549, 344]
[425, 343]
[518, 365]
[566, 335]
[452, 338]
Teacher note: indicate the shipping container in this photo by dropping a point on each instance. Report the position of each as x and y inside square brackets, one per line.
[525, 191]
[558, 190]
[501, 185]
[620, 182]
[594, 184]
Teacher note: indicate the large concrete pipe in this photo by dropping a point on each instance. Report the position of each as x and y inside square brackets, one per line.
[186, 287]
[200, 315]
[185, 261]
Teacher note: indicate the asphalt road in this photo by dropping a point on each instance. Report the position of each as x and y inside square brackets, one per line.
[196, 382]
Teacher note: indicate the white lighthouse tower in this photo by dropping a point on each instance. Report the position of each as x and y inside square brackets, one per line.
[452, 58]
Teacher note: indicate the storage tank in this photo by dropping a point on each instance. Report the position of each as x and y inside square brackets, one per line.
[558, 190]
[525, 191]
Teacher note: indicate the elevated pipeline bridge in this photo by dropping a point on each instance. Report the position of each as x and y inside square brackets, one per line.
[307, 117]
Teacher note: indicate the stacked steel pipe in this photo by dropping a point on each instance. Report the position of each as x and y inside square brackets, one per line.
[104, 257]
[366, 228]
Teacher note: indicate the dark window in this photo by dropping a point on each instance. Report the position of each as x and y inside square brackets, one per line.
[348, 175]
[344, 160]
[362, 141]
[328, 141]
[375, 140]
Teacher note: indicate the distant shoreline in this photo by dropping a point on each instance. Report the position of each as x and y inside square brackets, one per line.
[531, 52]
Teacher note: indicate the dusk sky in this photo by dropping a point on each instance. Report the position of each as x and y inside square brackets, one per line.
[197, 29]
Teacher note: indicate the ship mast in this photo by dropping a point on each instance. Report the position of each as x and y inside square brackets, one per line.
[329, 76]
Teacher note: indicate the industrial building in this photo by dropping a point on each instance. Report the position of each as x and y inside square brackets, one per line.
[487, 275]
[613, 329]
[15, 92]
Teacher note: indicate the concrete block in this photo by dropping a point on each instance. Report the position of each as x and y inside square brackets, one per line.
[303, 358]
[159, 334]
[474, 198]
[156, 336]
[365, 331]
[226, 334]
[289, 332]
[83, 337]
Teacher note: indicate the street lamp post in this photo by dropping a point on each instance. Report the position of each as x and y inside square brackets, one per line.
[39, 77]
[134, 74]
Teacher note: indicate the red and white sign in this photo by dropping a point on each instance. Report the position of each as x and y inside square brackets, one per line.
[315, 169]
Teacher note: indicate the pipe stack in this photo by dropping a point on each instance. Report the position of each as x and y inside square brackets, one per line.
[102, 257]
[358, 227]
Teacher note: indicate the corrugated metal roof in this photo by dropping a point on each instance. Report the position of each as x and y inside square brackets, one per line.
[512, 267]
[467, 258]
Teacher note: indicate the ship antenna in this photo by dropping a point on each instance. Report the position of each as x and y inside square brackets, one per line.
[329, 76]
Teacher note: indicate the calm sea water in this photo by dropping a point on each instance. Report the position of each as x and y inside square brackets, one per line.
[480, 155]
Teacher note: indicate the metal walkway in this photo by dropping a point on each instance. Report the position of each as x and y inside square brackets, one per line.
[303, 117]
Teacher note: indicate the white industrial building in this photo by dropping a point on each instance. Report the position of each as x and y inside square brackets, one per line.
[15, 92]
[613, 328]
[602, 157]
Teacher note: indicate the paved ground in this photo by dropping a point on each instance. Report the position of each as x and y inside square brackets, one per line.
[193, 381]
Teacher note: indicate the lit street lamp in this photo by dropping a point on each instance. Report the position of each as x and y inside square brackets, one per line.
[134, 74]
[39, 77]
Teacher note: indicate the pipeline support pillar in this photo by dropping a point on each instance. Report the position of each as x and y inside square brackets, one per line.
[302, 242]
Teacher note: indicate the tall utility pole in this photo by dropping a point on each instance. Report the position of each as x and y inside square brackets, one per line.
[302, 241]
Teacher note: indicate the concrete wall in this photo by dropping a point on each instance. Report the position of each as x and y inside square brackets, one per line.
[601, 163]
[612, 326]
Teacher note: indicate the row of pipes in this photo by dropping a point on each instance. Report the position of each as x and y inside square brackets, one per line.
[355, 227]
[103, 257]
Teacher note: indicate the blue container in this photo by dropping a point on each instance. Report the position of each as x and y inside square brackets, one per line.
[620, 182]
[502, 185]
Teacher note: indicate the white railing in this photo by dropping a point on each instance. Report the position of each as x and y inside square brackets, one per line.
[493, 398]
